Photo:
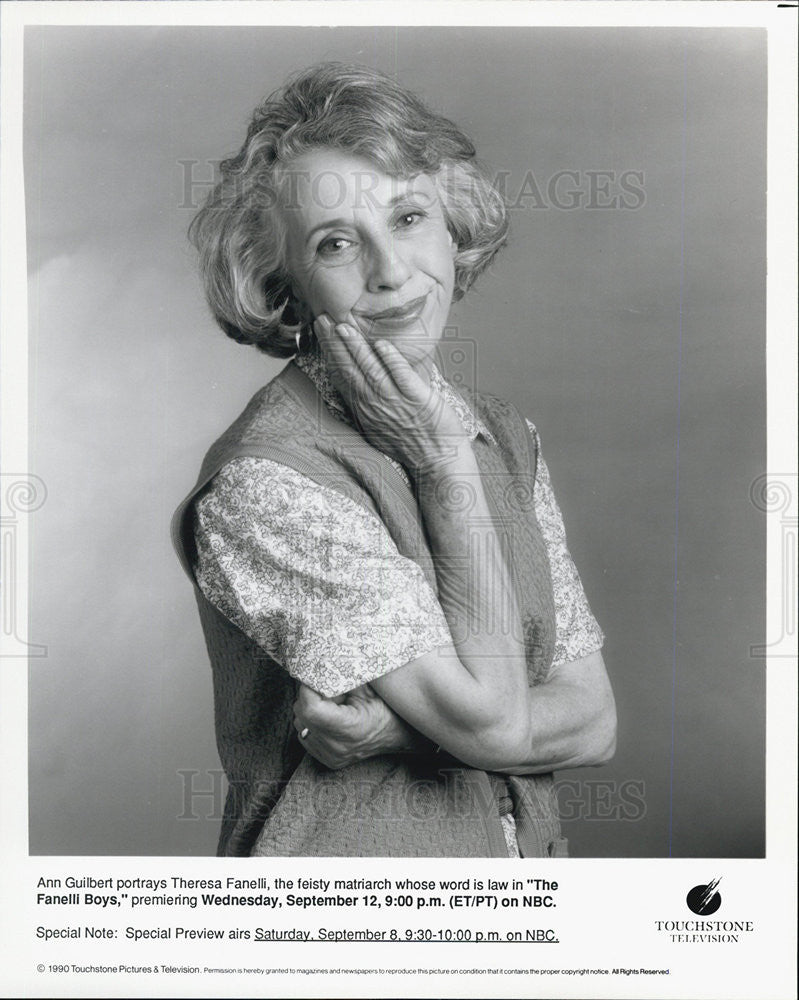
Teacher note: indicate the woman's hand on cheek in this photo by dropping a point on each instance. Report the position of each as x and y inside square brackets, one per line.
[394, 407]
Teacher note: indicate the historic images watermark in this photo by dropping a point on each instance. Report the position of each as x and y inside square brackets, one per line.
[601, 799]
[202, 796]
[564, 190]
[776, 495]
[21, 494]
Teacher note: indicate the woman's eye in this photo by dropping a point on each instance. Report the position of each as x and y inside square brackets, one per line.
[408, 219]
[333, 246]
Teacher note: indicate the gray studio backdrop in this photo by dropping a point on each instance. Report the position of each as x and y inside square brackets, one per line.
[629, 326]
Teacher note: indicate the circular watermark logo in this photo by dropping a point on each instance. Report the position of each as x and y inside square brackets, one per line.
[704, 899]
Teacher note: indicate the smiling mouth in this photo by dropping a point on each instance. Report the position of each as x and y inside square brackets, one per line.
[400, 314]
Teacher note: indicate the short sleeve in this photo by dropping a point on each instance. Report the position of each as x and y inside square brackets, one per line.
[315, 579]
[577, 631]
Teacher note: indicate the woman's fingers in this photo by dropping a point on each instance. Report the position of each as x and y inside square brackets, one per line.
[385, 370]
[357, 725]
[347, 364]
[364, 356]
[345, 343]
[404, 377]
[336, 354]
[307, 698]
[312, 709]
[382, 366]
[330, 338]
[324, 726]
[391, 403]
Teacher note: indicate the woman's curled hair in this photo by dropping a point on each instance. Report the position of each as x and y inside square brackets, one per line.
[239, 232]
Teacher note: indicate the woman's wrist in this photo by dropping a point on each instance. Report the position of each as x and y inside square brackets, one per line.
[449, 461]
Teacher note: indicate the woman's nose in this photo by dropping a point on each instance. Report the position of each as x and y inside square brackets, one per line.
[388, 269]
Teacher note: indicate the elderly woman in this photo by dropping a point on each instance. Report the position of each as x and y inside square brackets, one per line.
[402, 651]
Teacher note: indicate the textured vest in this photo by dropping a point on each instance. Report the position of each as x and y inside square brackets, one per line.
[281, 801]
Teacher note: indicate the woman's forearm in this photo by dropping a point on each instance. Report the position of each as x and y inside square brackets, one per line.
[472, 698]
[573, 724]
[570, 721]
[475, 588]
[573, 719]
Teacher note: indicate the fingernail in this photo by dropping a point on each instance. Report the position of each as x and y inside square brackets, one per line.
[343, 330]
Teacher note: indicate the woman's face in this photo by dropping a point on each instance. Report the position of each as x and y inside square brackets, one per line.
[369, 248]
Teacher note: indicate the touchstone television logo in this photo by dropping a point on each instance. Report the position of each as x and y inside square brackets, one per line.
[704, 899]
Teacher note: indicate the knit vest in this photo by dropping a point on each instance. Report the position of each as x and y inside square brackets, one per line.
[280, 800]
